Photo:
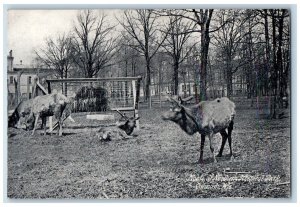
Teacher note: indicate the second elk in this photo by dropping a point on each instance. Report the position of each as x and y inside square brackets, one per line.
[123, 128]
[207, 118]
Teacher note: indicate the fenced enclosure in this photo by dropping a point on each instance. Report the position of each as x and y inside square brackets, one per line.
[99, 94]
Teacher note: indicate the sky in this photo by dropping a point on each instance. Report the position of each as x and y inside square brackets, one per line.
[28, 29]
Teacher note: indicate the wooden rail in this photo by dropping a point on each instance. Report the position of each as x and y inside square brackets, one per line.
[94, 79]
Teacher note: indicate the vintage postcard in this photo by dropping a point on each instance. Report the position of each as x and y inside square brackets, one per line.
[189, 103]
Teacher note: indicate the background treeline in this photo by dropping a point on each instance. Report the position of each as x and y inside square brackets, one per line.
[221, 52]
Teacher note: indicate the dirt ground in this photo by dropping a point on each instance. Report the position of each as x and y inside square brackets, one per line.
[159, 161]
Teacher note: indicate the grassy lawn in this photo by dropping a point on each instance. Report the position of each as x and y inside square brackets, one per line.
[160, 161]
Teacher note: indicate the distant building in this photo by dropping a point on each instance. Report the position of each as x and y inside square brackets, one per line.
[25, 75]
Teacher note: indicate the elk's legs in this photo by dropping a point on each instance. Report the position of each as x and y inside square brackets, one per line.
[210, 136]
[59, 127]
[224, 139]
[230, 128]
[201, 148]
[35, 123]
[58, 116]
[44, 124]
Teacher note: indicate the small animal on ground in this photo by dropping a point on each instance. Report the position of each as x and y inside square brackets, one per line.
[123, 129]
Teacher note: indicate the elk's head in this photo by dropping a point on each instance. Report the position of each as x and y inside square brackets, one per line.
[20, 121]
[181, 115]
[28, 123]
[176, 110]
[127, 124]
[13, 119]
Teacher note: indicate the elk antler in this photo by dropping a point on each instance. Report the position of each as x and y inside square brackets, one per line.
[184, 100]
[187, 99]
[122, 114]
[172, 100]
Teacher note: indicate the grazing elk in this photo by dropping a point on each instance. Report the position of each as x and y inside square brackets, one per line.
[207, 118]
[48, 105]
[19, 115]
[123, 128]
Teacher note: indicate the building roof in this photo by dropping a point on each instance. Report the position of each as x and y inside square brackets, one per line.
[30, 70]
[22, 66]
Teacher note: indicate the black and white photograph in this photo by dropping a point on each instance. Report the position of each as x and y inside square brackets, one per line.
[148, 103]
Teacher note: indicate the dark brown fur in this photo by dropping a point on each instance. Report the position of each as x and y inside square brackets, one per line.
[20, 113]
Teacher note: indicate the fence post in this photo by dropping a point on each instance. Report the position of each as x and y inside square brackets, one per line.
[34, 87]
[28, 87]
[50, 124]
[136, 91]
[150, 99]
[49, 86]
[50, 117]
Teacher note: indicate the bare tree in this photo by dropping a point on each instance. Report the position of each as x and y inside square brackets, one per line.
[93, 44]
[202, 18]
[128, 57]
[141, 25]
[176, 44]
[278, 78]
[57, 55]
[228, 40]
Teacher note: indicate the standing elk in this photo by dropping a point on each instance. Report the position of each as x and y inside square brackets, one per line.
[48, 105]
[207, 118]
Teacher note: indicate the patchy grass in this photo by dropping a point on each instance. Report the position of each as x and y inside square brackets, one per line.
[160, 161]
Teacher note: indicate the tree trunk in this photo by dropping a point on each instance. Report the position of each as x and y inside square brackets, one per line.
[274, 77]
[267, 39]
[229, 82]
[203, 65]
[175, 78]
[66, 85]
[188, 79]
[251, 68]
[279, 58]
[205, 40]
[126, 74]
[184, 83]
[159, 82]
[148, 80]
